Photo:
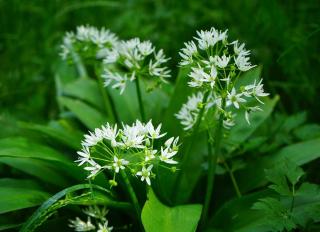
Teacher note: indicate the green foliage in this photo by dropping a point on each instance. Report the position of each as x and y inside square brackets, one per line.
[159, 217]
[47, 105]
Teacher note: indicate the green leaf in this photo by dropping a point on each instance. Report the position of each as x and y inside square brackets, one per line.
[15, 195]
[242, 131]
[237, 215]
[85, 89]
[180, 94]
[277, 216]
[57, 201]
[22, 147]
[159, 217]
[281, 174]
[299, 153]
[89, 116]
[59, 131]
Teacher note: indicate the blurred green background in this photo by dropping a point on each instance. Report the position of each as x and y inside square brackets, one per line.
[283, 36]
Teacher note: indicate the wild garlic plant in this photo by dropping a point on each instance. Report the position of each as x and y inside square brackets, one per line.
[133, 60]
[88, 42]
[216, 67]
[130, 150]
[96, 220]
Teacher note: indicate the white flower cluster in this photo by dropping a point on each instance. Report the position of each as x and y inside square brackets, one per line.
[133, 59]
[189, 111]
[216, 66]
[87, 41]
[99, 216]
[130, 148]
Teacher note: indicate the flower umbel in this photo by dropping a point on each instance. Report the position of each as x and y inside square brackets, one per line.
[216, 65]
[133, 59]
[130, 148]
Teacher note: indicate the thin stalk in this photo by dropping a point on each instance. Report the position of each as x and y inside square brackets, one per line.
[292, 201]
[140, 100]
[213, 158]
[233, 180]
[107, 101]
[188, 149]
[133, 196]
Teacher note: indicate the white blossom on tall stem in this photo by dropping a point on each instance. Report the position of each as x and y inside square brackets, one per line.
[132, 59]
[129, 149]
[88, 41]
[216, 65]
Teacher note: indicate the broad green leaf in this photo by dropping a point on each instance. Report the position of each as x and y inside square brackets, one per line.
[15, 195]
[88, 115]
[21, 147]
[48, 207]
[47, 172]
[180, 95]
[85, 89]
[242, 131]
[159, 217]
[237, 215]
[58, 131]
[300, 153]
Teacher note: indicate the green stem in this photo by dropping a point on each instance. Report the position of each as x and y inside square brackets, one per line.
[133, 196]
[140, 99]
[292, 201]
[107, 101]
[188, 148]
[233, 179]
[213, 158]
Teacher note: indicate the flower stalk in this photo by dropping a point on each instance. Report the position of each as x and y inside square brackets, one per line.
[132, 196]
[212, 161]
[139, 95]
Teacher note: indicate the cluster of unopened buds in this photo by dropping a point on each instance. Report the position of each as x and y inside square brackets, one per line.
[131, 148]
[216, 65]
[96, 220]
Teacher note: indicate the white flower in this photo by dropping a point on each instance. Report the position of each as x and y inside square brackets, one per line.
[198, 76]
[239, 48]
[94, 168]
[243, 63]
[145, 174]
[207, 39]
[211, 78]
[187, 53]
[96, 212]
[119, 81]
[104, 227]
[166, 155]
[256, 90]
[189, 111]
[110, 56]
[210, 62]
[84, 155]
[172, 143]
[110, 133]
[145, 48]
[92, 138]
[222, 61]
[80, 225]
[234, 98]
[150, 154]
[152, 132]
[119, 164]
[227, 123]
[248, 112]
[131, 137]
